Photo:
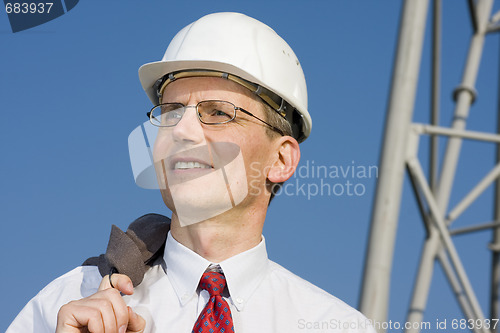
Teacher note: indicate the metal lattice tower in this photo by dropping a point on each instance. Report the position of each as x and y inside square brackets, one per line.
[400, 152]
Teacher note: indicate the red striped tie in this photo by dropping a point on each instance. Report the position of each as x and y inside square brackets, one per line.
[216, 316]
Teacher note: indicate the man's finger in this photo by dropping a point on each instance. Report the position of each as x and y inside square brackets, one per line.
[136, 324]
[119, 313]
[74, 316]
[104, 311]
[120, 282]
[105, 308]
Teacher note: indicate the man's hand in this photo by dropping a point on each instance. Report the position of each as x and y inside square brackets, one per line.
[104, 311]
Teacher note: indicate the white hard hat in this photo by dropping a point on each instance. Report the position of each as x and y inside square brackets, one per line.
[235, 44]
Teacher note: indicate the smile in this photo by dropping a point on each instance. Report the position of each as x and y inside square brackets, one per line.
[190, 165]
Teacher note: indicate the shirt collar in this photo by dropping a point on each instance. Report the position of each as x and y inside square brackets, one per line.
[243, 272]
[184, 268]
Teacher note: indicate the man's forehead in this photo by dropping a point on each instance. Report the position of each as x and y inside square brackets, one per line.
[206, 88]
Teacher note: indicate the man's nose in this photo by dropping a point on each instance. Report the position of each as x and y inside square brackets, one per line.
[189, 128]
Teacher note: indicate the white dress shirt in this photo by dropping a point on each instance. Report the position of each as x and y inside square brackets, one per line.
[262, 295]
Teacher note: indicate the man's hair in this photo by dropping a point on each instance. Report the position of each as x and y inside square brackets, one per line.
[276, 120]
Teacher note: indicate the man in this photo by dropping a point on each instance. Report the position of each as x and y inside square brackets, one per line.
[230, 108]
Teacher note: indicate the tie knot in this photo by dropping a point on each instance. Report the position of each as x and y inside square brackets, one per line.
[213, 282]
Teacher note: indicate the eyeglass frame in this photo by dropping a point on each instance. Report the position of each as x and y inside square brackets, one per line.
[236, 108]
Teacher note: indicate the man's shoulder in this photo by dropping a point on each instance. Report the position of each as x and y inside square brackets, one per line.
[81, 281]
[41, 310]
[324, 306]
[301, 286]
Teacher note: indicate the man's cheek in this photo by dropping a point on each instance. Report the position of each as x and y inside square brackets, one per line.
[258, 172]
[160, 148]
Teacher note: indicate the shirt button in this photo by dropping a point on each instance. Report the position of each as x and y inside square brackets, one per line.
[185, 297]
[239, 300]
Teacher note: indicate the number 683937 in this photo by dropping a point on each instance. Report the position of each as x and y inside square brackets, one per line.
[28, 8]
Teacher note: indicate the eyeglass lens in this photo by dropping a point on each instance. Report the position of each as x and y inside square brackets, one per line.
[209, 112]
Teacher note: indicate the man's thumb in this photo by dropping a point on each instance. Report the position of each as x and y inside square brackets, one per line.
[120, 282]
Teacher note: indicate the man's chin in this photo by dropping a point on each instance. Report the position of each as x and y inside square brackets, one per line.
[189, 212]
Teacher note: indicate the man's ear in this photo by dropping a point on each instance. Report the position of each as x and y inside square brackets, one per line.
[286, 161]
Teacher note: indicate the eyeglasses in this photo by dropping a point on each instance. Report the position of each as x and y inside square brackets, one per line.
[210, 112]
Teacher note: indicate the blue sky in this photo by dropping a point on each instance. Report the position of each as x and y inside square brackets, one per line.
[70, 96]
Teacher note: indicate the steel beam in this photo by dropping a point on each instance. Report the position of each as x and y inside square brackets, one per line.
[495, 258]
[445, 240]
[377, 270]
[435, 92]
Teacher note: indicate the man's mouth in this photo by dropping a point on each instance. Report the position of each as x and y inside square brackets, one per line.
[189, 164]
[183, 165]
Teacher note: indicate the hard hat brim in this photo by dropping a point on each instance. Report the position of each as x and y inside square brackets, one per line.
[149, 73]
